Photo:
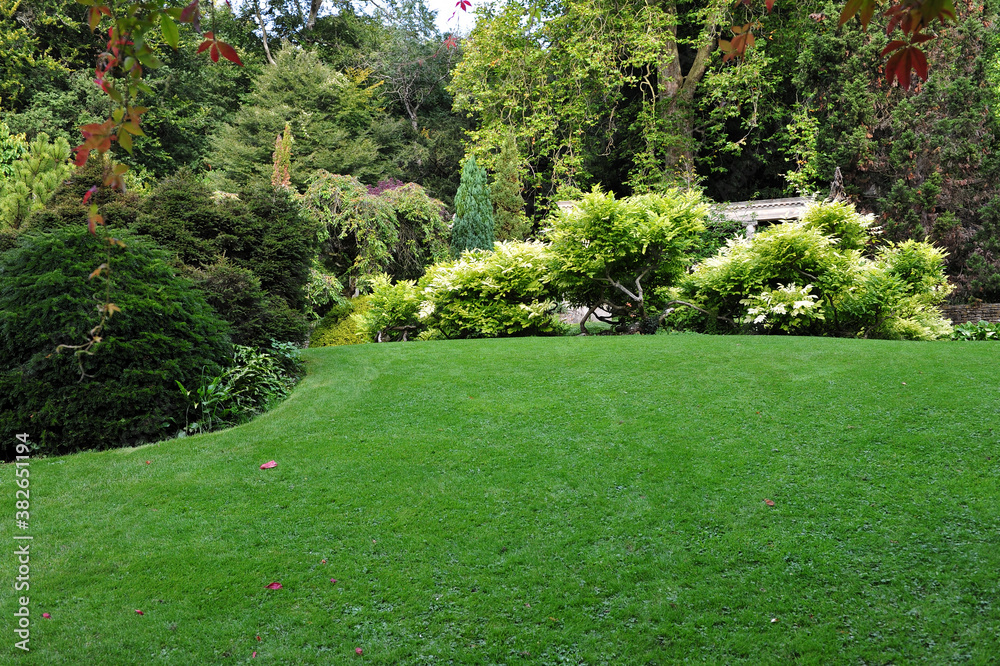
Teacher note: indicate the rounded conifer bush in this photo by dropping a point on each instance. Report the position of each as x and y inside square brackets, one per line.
[164, 333]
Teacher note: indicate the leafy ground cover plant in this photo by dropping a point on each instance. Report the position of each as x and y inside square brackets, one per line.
[981, 330]
[255, 380]
[340, 325]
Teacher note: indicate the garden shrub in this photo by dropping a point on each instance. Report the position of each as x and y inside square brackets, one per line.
[165, 332]
[364, 231]
[65, 208]
[392, 310]
[33, 179]
[756, 283]
[254, 316]
[840, 220]
[506, 292]
[267, 232]
[8, 239]
[181, 216]
[788, 308]
[617, 253]
[719, 230]
[323, 291]
[339, 327]
[263, 231]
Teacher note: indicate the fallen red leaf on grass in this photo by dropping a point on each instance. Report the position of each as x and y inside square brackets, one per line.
[258, 637]
[324, 561]
[148, 461]
[46, 616]
[358, 650]
[333, 580]
[273, 586]
[254, 655]
[139, 612]
[269, 465]
[769, 502]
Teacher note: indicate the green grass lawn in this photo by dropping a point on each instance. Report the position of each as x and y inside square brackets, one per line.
[577, 500]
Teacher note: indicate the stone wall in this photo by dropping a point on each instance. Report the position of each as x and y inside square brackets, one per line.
[959, 314]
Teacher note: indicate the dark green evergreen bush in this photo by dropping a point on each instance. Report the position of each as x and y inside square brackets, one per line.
[165, 332]
[255, 317]
[267, 244]
[66, 207]
[266, 231]
[180, 215]
[263, 231]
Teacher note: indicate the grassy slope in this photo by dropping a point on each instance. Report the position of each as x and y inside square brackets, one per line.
[574, 500]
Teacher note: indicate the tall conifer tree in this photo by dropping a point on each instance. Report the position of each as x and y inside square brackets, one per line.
[474, 211]
[506, 188]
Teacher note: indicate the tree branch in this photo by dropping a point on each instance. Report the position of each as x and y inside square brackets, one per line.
[667, 310]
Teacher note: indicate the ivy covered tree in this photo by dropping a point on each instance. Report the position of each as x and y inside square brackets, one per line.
[505, 190]
[474, 223]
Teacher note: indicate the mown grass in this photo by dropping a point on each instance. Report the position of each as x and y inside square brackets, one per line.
[588, 500]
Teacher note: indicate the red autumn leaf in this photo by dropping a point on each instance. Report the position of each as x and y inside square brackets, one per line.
[769, 502]
[892, 46]
[269, 465]
[901, 62]
[258, 637]
[92, 223]
[769, 4]
[273, 586]
[213, 52]
[139, 612]
[90, 193]
[358, 651]
[464, 6]
[94, 15]
[333, 580]
[919, 62]
[209, 40]
[148, 461]
[229, 53]
[82, 154]
[190, 13]
[254, 655]
[46, 616]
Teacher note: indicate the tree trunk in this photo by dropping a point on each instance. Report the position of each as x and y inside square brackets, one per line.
[314, 6]
[263, 31]
[676, 91]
